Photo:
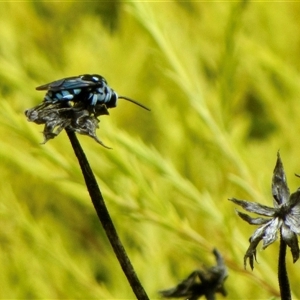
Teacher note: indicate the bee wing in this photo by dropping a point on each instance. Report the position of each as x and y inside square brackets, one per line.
[75, 82]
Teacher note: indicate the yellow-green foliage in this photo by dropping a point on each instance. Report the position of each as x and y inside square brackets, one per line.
[222, 81]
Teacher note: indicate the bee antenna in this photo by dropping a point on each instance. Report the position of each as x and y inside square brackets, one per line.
[135, 102]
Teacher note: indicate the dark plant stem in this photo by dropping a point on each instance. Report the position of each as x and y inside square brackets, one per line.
[283, 279]
[105, 218]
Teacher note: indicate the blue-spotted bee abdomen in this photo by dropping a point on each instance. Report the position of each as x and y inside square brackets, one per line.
[90, 89]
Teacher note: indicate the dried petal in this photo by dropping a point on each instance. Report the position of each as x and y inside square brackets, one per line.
[219, 272]
[255, 207]
[61, 115]
[291, 240]
[280, 188]
[293, 222]
[294, 199]
[257, 236]
[251, 251]
[292, 218]
[252, 221]
[219, 258]
[86, 124]
[270, 232]
[259, 232]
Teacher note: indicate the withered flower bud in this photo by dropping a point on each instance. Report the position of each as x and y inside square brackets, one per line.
[201, 283]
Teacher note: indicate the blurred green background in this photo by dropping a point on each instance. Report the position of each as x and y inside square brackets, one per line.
[222, 81]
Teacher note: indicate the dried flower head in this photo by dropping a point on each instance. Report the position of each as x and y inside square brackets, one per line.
[60, 115]
[74, 103]
[284, 216]
[201, 283]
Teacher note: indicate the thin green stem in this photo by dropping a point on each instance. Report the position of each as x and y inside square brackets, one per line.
[105, 218]
[283, 279]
